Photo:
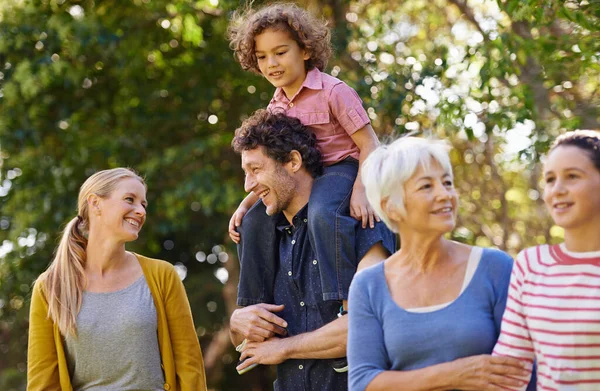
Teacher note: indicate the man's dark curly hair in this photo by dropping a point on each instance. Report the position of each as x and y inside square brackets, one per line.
[279, 135]
[310, 33]
[588, 140]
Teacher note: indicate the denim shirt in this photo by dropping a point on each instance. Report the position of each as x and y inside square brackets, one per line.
[298, 287]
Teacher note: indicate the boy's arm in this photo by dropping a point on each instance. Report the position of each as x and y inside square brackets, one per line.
[238, 215]
[366, 140]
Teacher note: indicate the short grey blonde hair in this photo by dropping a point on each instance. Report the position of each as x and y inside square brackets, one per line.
[387, 169]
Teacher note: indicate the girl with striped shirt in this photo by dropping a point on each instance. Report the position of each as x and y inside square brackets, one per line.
[552, 314]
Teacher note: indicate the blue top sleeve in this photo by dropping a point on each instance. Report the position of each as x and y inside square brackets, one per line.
[367, 356]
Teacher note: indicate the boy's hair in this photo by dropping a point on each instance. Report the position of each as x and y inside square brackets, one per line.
[279, 135]
[310, 33]
[587, 140]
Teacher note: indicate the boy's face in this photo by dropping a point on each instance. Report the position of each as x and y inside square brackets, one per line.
[281, 60]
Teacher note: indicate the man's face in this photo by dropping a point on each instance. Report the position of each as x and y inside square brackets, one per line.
[268, 179]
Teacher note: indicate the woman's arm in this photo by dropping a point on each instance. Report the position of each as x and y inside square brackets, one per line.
[370, 364]
[476, 373]
[42, 359]
[189, 365]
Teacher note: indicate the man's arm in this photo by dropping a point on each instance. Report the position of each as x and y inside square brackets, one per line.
[328, 341]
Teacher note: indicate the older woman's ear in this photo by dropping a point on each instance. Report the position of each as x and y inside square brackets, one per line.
[392, 212]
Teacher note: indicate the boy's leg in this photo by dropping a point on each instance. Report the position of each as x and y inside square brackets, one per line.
[338, 240]
[331, 230]
[256, 253]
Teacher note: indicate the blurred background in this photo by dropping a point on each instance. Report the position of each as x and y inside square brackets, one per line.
[151, 84]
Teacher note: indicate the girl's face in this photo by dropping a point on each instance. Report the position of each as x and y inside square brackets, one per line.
[572, 192]
[281, 60]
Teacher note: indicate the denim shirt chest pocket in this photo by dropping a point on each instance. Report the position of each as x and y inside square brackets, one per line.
[319, 122]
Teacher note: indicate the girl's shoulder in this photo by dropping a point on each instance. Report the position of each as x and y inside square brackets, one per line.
[534, 254]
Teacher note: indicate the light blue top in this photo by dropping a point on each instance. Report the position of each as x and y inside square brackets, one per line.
[383, 336]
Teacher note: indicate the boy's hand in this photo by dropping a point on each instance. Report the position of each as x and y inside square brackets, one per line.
[236, 221]
[360, 208]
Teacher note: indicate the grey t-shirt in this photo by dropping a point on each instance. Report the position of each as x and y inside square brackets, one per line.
[116, 347]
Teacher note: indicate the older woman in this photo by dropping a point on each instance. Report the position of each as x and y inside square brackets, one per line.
[428, 317]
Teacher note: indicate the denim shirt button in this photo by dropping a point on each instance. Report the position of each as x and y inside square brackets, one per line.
[301, 304]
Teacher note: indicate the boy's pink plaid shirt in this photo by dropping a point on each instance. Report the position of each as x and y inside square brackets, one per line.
[331, 109]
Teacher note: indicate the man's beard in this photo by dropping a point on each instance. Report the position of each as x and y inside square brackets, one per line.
[286, 188]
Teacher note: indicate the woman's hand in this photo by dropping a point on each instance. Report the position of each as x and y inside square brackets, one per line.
[489, 373]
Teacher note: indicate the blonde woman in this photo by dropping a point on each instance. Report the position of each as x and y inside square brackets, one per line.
[105, 318]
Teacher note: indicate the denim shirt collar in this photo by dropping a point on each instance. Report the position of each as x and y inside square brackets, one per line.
[284, 225]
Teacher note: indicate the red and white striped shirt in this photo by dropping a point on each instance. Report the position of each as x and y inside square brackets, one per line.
[553, 316]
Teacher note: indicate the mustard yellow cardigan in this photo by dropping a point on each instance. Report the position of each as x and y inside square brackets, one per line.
[179, 348]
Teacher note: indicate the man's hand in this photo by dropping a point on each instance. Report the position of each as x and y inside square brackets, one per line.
[269, 352]
[360, 208]
[258, 322]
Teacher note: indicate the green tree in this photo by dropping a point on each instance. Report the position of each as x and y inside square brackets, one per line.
[87, 85]
[90, 85]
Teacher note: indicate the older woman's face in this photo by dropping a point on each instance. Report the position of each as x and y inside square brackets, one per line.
[431, 200]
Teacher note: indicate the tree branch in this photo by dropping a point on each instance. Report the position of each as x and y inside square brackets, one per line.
[470, 16]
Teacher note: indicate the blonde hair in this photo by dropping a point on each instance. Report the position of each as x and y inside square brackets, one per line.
[64, 280]
[387, 169]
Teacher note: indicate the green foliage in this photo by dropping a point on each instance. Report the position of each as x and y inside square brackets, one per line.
[92, 85]
[87, 85]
